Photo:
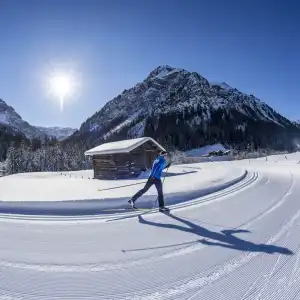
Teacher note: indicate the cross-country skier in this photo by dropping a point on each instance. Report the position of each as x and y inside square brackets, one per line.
[154, 178]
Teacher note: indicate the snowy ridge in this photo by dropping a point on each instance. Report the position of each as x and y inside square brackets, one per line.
[60, 133]
[222, 85]
[14, 122]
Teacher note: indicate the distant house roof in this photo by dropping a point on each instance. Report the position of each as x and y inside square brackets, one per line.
[124, 146]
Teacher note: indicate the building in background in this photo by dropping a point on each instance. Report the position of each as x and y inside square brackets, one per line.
[124, 159]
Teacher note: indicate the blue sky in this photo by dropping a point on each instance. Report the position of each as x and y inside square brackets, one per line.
[111, 45]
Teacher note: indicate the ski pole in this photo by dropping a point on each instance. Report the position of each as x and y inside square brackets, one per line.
[121, 186]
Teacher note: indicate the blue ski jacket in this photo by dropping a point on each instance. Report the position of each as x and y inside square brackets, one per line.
[158, 166]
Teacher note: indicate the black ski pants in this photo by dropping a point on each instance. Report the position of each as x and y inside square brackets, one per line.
[158, 184]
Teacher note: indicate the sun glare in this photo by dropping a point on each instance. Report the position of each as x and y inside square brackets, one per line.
[61, 86]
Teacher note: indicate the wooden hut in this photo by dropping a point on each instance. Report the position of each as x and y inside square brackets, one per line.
[124, 159]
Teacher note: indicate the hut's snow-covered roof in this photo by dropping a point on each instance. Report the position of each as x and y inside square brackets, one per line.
[124, 146]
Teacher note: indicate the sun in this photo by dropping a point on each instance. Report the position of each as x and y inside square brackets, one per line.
[61, 85]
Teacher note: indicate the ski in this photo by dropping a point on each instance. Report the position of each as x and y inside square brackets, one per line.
[140, 209]
[166, 210]
[148, 209]
[133, 207]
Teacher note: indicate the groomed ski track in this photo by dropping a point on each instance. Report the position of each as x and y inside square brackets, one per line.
[238, 243]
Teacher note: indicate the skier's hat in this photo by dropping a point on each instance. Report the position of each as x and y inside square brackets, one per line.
[163, 152]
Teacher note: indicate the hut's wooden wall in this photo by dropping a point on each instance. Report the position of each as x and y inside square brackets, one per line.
[145, 154]
[125, 165]
[112, 166]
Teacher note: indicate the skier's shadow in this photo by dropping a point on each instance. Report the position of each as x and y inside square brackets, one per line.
[225, 238]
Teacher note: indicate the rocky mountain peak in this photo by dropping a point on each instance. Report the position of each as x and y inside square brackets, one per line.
[222, 85]
[181, 107]
[161, 71]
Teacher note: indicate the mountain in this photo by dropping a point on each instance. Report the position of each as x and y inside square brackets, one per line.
[60, 133]
[12, 123]
[297, 123]
[222, 85]
[184, 110]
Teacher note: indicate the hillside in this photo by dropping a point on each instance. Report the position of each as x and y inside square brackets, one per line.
[11, 122]
[14, 131]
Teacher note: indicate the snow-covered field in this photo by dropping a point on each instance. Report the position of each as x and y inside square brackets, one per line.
[241, 242]
[288, 158]
[78, 193]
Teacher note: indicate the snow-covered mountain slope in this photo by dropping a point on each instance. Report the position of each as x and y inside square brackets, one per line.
[60, 133]
[171, 100]
[13, 123]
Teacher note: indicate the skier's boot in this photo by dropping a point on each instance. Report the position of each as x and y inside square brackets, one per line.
[164, 209]
[131, 202]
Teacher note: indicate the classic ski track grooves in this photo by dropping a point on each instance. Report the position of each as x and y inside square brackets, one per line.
[238, 243]
[105, 267]
[220, 272]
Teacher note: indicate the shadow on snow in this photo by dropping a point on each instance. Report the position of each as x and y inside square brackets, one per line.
[225, 238]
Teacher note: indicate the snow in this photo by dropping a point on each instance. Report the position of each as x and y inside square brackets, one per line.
[79, 185]
[137, 130]
[223, 85]
[59, 133]
[94, 128]
[10, 118]
[165, 73]
[3, 118]
[151, 92]
[162, 73]
[165, 70]
[262, 111]
[205, 150]
[282, 158]
[241, 127]
[124, 146]
[122, 125]
[241, 242]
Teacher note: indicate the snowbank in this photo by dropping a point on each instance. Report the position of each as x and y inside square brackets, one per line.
[53, 193]
[285, 157]
[205, 150]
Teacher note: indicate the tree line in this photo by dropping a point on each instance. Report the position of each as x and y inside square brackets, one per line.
[46, 156]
